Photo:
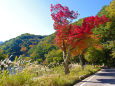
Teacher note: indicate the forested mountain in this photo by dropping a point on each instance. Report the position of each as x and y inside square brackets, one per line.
[107, 34]
[106, 42]
[38, 52]
[43, 47]
[21, 44]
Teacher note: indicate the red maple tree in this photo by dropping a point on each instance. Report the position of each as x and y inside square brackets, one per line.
[69, 36]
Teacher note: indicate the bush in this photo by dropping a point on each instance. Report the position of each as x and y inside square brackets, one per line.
[56, 77]
[65, 80]
[19, 79]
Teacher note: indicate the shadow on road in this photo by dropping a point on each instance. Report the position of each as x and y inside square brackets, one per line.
[109, 70]
[106, 74]
[109, 81]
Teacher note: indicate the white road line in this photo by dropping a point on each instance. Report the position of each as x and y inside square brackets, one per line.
[88, 79]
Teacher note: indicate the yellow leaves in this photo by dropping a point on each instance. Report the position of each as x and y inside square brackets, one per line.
[98, 46]
[1, 51]
[27, 58]
[95, 37]
[32, 54]
[111, 10]
[31, 45]
[85, 43]
[81, 45]
[95, 42]
[108, 25]
[23, 49]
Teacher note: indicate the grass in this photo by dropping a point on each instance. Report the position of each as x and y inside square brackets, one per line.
[58, 78]
[49, 77]
[19, 79]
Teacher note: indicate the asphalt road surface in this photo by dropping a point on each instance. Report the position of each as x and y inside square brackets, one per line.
[105, 77]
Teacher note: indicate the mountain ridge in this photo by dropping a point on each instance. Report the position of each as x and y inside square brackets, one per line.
[21, 44]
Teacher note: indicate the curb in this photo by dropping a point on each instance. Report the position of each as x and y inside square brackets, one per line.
[82, 77]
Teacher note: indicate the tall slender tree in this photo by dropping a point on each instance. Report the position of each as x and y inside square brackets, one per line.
[69, 36]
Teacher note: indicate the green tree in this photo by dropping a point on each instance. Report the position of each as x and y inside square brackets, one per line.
[21, 44]
[2, 56]
[94, 56]
[54, 57]
[107, 33]
[43, 47]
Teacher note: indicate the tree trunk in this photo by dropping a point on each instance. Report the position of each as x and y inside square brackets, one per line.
[66, 67]
[81, 62]
[81, 58]
[65, 63]
[93, 64]
[65, 58]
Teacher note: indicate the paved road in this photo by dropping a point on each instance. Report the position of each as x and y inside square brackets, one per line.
[105, 77]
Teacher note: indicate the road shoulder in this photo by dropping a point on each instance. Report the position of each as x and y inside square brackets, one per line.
[84, 81]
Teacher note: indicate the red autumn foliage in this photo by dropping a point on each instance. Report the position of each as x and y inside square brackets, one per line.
[69, 34]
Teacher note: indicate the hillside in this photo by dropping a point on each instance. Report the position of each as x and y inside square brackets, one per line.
[42, 48]
[37, 47]
[78, 49]
[21, 44]
[105, 32]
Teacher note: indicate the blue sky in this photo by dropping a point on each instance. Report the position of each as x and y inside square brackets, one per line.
[33, 16]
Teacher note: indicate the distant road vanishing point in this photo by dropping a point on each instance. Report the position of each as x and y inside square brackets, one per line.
[105, 77]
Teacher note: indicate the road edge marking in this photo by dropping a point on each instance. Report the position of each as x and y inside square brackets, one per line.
[89, 79]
